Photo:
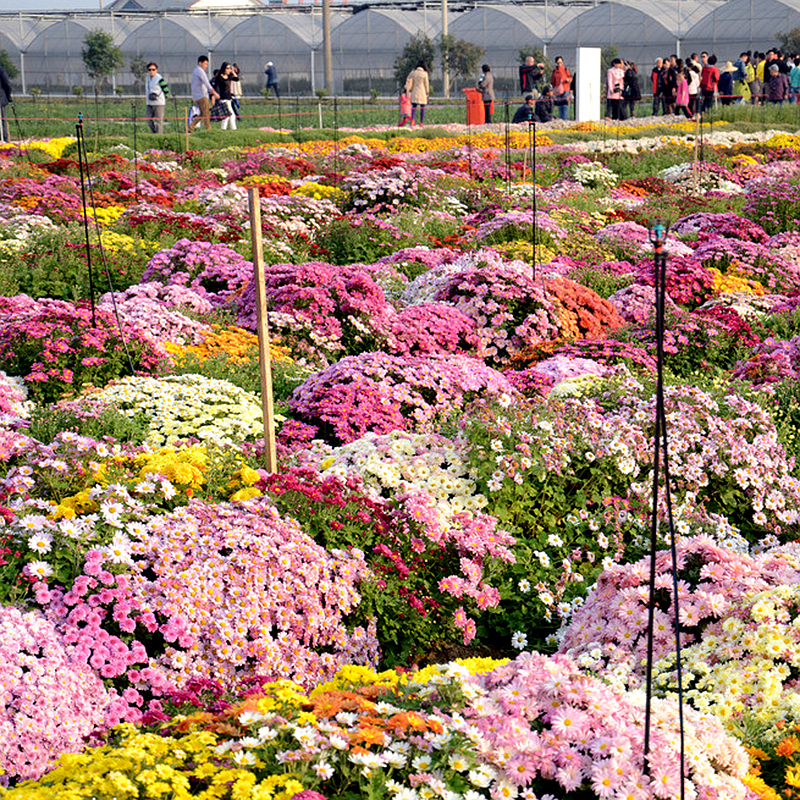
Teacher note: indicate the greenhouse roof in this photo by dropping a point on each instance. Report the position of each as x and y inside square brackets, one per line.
[741, 21]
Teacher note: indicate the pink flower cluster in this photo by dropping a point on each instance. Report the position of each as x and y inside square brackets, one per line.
[380, 393]
[340, 309]
[53, 345]
[249, 592]
[609, 632]
[540, 722]
[49, 700]
[215, 269]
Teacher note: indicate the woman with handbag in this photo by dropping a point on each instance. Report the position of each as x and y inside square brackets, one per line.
[223, 109]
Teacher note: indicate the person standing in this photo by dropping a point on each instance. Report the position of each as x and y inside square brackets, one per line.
[743, 75]
[272, 79]
[725, 85]
[418, 88]
[222, 84]
[157, 92]
[236, 92]
[530, 73]
[682, 89]
[694, 73]
[615, 82]
[5, 99]
[778, 85]
[655, 82]
[794, 81]
[201, 89]
[561, 83]
[631, 93]
[709, 78]
[669, 78]
[486, 87]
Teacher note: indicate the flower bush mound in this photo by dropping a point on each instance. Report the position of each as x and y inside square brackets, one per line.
[465, 403]
[187, 406]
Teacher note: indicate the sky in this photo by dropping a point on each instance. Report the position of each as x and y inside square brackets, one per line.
[51, 5]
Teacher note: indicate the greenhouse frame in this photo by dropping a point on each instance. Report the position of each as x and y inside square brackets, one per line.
[366, 38]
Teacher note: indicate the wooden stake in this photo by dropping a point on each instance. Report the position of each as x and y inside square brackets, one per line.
[264, 355]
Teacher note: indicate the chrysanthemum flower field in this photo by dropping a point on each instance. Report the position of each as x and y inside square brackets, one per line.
[442, 592]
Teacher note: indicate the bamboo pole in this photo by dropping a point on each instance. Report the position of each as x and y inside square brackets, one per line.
[264, 356]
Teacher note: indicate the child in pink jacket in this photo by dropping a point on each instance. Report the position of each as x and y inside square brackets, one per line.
[682, 93]
[405, 109]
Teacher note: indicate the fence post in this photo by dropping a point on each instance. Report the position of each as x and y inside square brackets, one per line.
[264, 355]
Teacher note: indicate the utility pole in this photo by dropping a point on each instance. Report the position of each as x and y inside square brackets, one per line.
[446, 71]
[326, 43]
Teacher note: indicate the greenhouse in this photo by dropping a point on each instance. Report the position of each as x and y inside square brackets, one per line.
[641, 32]
[503, 30]
[366, 39]
[740, 25]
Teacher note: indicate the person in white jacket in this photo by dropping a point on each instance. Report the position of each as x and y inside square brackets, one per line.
[157, 91]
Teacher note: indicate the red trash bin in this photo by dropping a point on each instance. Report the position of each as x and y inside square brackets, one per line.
[475, 111]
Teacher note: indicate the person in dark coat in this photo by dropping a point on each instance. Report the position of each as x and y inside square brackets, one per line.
[530, 73]
[725, 85]
[272, 79]
[631, 92]
[526, 112]
[544, 105]
[5, 99]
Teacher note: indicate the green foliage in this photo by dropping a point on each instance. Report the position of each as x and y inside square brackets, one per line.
[286, 375]
[789, 41]
[100, 55]
[785, 409]
[54, 264]
[459, 57]
[419, 48]
[341, 243]
[7, 65]
[604, 283]
[138, 68]
[607, 55]
[47, 422]
[554, 514]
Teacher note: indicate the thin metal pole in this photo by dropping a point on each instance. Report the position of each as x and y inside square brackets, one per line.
[135, 153]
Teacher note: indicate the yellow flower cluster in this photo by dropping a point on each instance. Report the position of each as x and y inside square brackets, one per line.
[323, 147]
[320, 192]
[121, 242]
[730, 282]
[784, 140]
[483, 140]
[238, 344]
[743, 160]
[70, 507]
[148, 765]
[53, 147]
[242, 482]
[743, 667]
[257, 180]
[755, 783]
[185, 467]
[106, 216]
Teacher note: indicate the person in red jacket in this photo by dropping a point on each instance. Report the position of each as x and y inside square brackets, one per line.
[561, 82]
[709, 78]
[654, 78]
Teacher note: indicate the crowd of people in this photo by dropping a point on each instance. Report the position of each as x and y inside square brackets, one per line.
[678, 86]
[693, 86]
